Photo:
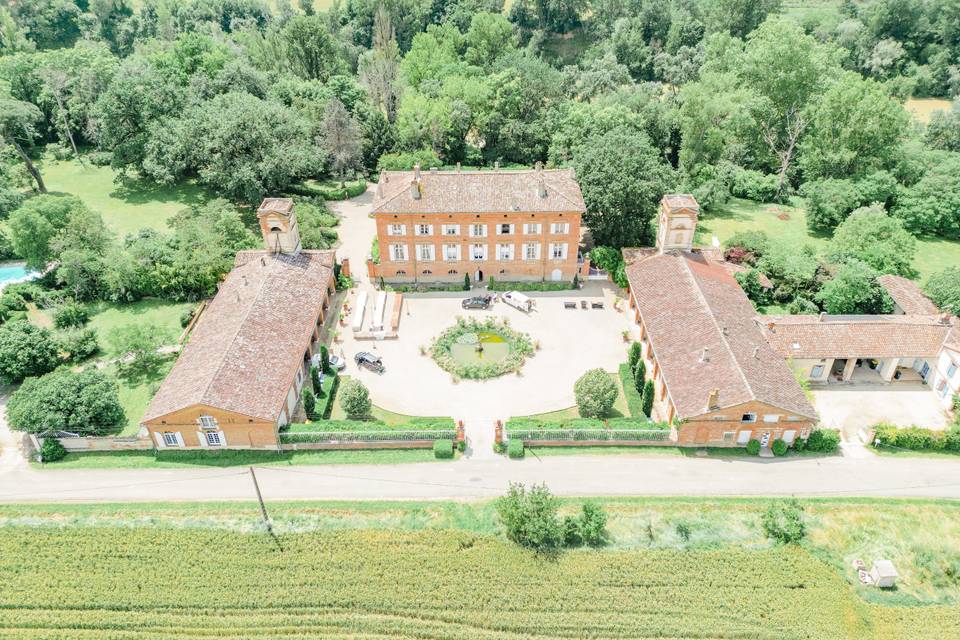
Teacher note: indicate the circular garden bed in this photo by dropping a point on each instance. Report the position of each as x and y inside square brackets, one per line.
[477, 350]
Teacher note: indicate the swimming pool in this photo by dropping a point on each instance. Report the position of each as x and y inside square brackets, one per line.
[13, 272]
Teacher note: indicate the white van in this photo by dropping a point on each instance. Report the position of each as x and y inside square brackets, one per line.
[518, 300]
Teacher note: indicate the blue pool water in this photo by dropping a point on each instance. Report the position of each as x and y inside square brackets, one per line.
[12, 272]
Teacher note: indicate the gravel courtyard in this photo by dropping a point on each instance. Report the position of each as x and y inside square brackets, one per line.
[571, 341]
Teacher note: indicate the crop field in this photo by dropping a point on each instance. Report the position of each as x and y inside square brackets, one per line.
[207, 570]
[164, 583]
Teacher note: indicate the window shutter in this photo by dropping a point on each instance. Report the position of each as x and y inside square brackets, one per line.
[159, 438]
[403, 229]
[202, 439]
[223, 438]
[429, 229]
[179, 439]
[393, 253]
[564, 251]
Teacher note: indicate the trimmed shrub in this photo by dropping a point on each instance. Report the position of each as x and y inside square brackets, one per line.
[634, 357]
[309, 403]
[443, 449]
[916, 438]
[753, 447]
[324, 359]
[648, 393]
[823, 440]
[782, 522]
[639, 376]
[70, 314]
[461, 446]
[51, 450]
[466, 282]
[355, 399]
[515, 449]
[595, 392]
[779, 448]
[315, 380]
[499, 447]
[754, 185]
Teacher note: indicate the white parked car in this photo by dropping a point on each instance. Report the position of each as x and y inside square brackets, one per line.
[518, 300]
[337, 363]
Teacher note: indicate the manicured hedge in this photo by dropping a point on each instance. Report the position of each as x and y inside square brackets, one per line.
[416, 429]
[443, 449]
[634, 397]
[533, 424]
[917, 438]
[753, 447]
[515, 449]
[823, 441]
[325, 399]
[497, 285]
[779, 447]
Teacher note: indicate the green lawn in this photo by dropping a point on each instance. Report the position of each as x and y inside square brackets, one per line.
[236, 458]
[788, 222]
[377, 413]
[107, 316]
[620, 409]
[126, 208]
[136, 393]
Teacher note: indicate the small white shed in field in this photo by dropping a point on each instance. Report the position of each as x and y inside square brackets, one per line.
[883, 574]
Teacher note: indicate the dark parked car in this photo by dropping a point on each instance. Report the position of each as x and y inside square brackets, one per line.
[369, 361]
[477, 302]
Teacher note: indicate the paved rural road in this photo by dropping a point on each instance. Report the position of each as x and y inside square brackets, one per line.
[565, 475]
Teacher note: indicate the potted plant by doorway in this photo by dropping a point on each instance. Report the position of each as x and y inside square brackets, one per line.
[626, 335]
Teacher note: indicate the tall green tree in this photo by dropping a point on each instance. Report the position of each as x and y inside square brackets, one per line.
[312, 52]
[341, 138]
[26, 351]
[623, 178]
[87, 403]
[854, 290]
[17, 128]
[874, 238]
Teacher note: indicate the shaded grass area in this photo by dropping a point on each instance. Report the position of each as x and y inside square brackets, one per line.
[236, 458]
[126, 207]
[105, 317]
[921, 537]
[789, 223]
[632, 397]
[136, 392]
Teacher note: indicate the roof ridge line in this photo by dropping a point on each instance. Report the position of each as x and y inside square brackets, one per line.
[233, 340]
[713, 318]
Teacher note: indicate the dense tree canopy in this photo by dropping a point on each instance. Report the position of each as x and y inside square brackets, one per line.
[87, 403]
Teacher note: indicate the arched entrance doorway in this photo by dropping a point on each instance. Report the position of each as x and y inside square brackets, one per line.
[478, 276]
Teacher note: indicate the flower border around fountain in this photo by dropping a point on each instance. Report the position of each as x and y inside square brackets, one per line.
[465, 332]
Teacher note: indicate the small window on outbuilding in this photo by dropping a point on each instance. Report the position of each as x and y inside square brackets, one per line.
[748, 417]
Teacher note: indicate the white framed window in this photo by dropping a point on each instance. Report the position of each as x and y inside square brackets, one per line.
[748, 417]
[170, 439]
[478, 231]
[558, 250]
[451, 252]
[744, 436]
[504, 252]
[398, 252]
[728, 436]
[952, 369]
[531, 228]
[531, 251]
[451, 229]
[817, 371]
[478, 252]
[397, 230]
[423, 229]
[425, 252]
[559, 227]
[208, 422]
[505, 229]
[214, 439]
[794, 418]
[771, 417]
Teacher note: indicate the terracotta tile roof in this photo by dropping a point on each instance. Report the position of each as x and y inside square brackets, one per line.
[243, 352]
[280, 205]
[675, 201]
[700, 326]
[888, 336]
[499, 191]
[907, 295]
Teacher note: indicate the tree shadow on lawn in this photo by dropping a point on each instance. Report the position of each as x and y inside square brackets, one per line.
[139, 191]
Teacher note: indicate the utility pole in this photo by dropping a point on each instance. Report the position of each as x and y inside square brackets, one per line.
[263, 510]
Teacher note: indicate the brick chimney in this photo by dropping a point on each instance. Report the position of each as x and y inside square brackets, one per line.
[713, 400]
[541, 184]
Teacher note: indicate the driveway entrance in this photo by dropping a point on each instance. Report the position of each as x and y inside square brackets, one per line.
[855, 406]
